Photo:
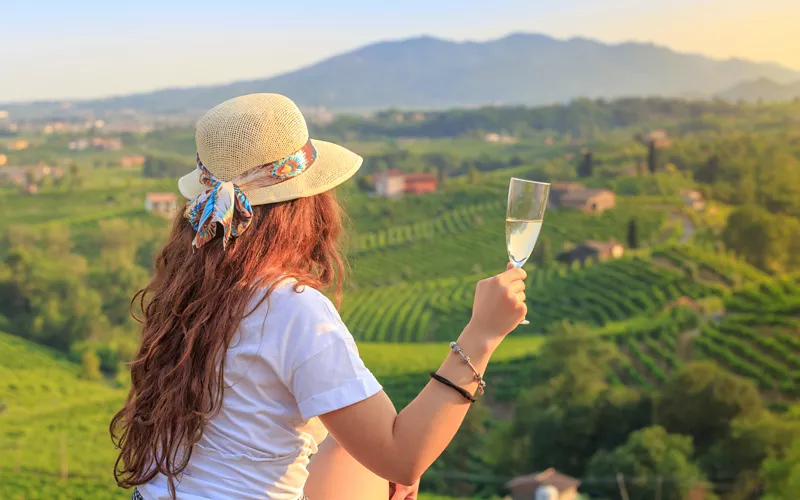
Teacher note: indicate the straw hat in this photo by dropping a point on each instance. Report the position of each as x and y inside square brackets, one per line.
[262, 130]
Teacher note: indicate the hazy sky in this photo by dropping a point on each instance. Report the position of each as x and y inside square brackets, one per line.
[79, 48]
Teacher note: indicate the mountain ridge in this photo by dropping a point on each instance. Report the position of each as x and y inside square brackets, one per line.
[431, 72]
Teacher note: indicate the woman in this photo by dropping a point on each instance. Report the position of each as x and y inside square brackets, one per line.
[244, 366]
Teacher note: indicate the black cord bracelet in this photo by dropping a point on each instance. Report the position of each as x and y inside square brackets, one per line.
[435, 376]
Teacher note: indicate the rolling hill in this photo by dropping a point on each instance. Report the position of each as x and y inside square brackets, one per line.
[427, 72]
[762, 89]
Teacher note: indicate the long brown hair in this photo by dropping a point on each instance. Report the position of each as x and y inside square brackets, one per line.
[191, 310]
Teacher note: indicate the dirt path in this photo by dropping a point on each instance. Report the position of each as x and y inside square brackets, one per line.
[687, 225]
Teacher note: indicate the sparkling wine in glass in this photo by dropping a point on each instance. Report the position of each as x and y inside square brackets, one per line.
[527, 201]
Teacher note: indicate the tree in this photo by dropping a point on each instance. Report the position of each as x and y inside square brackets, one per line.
[768, 241]
[365, 184]
[474, 176]
[119, 240]
[586, 165]
[19, 237]
[165, 165]
[90, 365]
[652, 157]
[446, 162]
[701, 400]
[740, 455]
[648, 454]
[782, 475]
[75, 177]
[571, 394]
[46, 299]
[708, 172]
[633, 234]
[516, 161]
[56, 240]
[117, 284]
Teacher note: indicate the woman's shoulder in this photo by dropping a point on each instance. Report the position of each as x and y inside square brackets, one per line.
[290, 299]
[295, 322]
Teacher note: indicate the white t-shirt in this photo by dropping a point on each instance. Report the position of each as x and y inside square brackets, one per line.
[291, 360]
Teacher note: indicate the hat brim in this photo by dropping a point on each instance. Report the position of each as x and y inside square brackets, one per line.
[333, 166]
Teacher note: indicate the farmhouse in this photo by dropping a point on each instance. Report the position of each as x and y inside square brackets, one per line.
[527, 487]
[693, 199]
[592, 250]
[577, 197]
[163, 204]
[391, 183]
[500, 138]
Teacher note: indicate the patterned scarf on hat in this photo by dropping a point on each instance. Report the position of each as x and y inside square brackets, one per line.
[225, 201]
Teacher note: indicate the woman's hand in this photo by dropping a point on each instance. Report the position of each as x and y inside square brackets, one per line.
[499, 304]
[400, 492]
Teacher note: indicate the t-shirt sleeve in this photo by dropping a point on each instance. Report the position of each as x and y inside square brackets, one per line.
[326, 372]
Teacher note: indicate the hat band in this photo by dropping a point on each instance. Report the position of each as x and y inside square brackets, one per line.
[270, 174]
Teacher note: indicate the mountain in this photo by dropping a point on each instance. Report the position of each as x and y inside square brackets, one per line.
[429, 72]
[762, 89]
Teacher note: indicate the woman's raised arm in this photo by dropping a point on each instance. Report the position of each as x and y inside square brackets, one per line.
[400, 447]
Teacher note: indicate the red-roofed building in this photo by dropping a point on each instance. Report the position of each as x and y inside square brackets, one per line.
[420, 183]
[391, 183]
[163, 204]
[131, 161]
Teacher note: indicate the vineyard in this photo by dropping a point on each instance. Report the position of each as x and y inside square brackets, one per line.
[707, 265]
[471, 240]
[757, 337]
[599, 294]
[454, 221]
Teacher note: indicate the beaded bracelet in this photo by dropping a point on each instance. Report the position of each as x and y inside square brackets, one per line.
[475, 375]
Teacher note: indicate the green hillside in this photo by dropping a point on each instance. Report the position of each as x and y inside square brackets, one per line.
[51, 418]
[714, 282]
[436, 247]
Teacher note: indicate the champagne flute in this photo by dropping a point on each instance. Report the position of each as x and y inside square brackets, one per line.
[527, 201]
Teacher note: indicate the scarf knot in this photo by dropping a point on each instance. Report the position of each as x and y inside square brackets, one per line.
[222, 202]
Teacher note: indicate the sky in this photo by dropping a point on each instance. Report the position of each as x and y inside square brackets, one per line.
[56, 49]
